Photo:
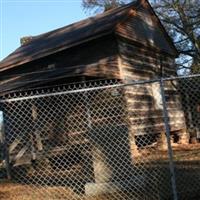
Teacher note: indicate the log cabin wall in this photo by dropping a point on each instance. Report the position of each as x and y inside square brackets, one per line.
[144, 102]
[146, 52]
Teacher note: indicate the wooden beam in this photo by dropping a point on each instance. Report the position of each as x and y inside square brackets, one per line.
[14, 145]
[37, 137]
[20, 153]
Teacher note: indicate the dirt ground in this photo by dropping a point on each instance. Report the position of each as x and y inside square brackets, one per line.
[183, 154]
[11, 191]
[186, 152]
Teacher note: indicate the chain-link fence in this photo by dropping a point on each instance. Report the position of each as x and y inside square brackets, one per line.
[103, 141]
[185, 143]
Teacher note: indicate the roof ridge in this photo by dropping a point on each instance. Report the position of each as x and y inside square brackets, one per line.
[81, 22]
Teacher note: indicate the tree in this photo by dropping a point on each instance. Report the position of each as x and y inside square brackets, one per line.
[181, 19]
[97, 6]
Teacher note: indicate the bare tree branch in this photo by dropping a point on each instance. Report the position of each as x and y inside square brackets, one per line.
[181, 19]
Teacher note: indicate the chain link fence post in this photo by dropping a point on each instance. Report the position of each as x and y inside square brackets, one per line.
[167, 129]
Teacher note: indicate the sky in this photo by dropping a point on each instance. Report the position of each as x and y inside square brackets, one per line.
[20, 18]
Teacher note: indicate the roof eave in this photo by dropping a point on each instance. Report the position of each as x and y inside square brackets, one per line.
[53, 51]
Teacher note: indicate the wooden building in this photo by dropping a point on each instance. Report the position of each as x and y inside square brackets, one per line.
[139, 49]
[128, 43]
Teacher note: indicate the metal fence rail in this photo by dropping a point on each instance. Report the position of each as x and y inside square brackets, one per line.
[104, 141]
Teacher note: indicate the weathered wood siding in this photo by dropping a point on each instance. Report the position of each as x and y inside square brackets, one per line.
[144, 102]
[143, 27]
[97, 58]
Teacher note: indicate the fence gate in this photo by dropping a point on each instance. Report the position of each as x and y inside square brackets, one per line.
[92, 142]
